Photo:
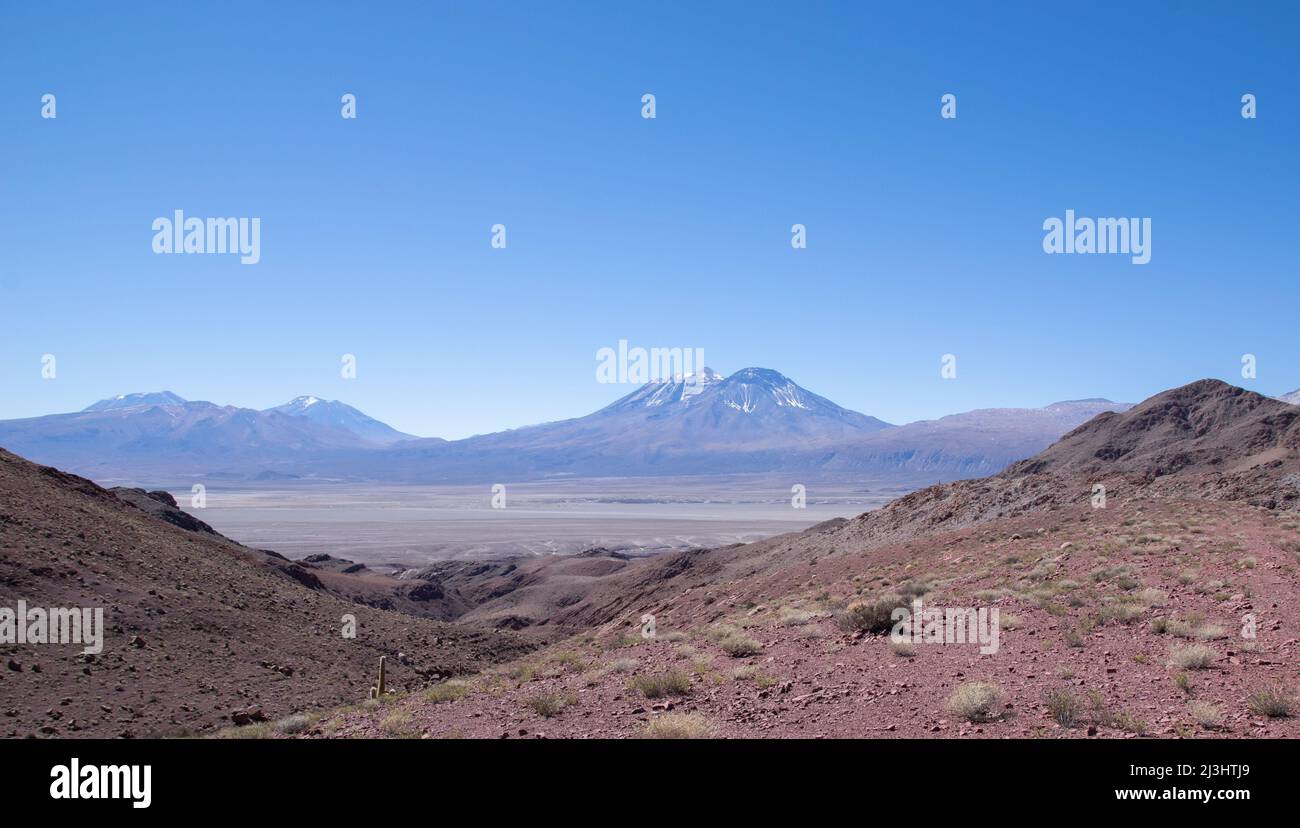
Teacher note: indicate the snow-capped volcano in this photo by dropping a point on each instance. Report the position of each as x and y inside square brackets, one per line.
[753, 400]
[756, 406]
[139, 400]
[685, 425]
[340, 415]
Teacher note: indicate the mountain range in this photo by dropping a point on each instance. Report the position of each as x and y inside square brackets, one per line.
[755, 421]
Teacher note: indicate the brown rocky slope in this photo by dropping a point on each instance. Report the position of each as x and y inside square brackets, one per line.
[197, 626]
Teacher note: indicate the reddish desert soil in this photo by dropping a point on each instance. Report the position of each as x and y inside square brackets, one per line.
[1210, 561]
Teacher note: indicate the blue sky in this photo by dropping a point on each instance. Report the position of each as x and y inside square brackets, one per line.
[924, 235]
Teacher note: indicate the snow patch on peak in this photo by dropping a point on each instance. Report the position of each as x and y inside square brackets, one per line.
[744, 406]
[301, 403]
[788, 395]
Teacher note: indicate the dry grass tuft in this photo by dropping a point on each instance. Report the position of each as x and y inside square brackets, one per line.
[1193, 657]
[977, 702]
[550, 704]
[1206, 715]
[791, 617]
[447, 691]
[738, 645]
[1064, 707]
[874, 615]
[677, 726]
[671, 683]
[1274, 702]
[397, 724]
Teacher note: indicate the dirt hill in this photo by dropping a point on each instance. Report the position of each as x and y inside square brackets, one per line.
[1205, 427]
[197, 626]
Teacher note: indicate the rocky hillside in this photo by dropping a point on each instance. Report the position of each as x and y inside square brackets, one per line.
[1205, 427]
[1118, 623]
[200, 631]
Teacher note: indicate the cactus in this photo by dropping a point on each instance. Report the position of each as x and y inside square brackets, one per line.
[378, 689]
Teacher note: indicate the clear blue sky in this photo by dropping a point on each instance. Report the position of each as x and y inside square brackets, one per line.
[924, 234]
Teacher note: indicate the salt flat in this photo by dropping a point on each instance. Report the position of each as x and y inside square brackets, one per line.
[405, 526]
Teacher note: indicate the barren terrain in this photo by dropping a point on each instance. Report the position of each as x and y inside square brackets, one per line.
[1145, 568]
[1099, 607]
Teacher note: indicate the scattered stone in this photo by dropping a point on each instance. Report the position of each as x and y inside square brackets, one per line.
[247, 716]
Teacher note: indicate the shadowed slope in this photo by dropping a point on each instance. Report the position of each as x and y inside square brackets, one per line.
[197, 626]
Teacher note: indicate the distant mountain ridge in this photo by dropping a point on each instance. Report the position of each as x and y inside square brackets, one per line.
[160, 435]
[970, 444]
[326, 412]
[340, 415]
[756, 420]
